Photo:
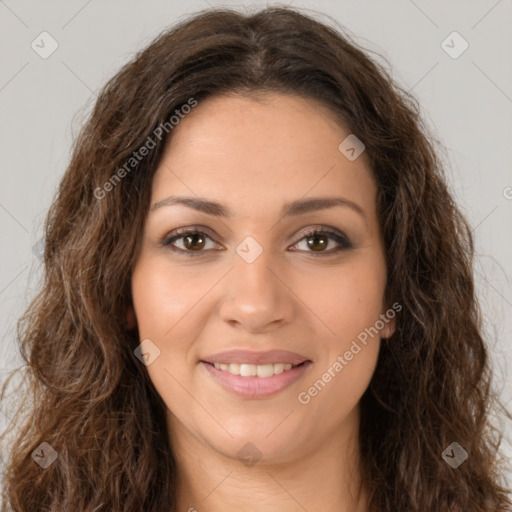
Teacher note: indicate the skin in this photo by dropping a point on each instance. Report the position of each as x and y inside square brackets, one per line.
[253, 155]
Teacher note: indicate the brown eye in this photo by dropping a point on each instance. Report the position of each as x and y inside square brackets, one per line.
[188, 242]
[194, 242]
[317, 242]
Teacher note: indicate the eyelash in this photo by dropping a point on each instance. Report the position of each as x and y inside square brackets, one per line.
[335, 235]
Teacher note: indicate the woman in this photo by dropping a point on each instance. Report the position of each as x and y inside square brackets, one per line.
[258, 292]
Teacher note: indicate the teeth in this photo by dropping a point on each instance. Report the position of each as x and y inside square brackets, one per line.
[248, 370]
[253, 370]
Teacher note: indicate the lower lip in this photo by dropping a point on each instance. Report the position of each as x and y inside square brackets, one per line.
[256, 387]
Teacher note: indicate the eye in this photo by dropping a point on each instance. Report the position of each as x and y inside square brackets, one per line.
[319, 239]
[193, 241]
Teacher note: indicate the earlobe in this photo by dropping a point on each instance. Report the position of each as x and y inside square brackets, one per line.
[389, 328]
[131, 320]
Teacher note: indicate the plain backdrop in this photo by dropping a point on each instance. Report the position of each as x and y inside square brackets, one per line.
[466, 98]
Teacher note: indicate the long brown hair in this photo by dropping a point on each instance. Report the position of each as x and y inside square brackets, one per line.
[90, 398]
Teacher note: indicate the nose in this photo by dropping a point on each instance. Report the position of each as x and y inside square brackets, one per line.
[256, 296]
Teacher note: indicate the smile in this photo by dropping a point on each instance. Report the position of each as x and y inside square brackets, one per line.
[255, 381]
[254, 370]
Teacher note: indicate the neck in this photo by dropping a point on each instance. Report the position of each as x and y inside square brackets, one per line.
[326, 476]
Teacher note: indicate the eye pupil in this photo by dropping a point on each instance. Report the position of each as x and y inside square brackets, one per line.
[189, 244]
[315, 238]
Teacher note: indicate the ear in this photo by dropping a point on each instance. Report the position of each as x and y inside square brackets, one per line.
[131, 319]
[388, 318]
[389, 328]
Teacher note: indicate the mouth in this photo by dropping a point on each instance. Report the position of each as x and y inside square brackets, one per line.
[255, 381]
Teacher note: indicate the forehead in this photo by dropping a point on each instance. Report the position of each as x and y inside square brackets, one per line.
[248, 151]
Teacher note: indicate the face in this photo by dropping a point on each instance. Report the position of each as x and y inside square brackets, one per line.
[246, 285]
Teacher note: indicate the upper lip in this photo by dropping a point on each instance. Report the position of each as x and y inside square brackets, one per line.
[252, 357]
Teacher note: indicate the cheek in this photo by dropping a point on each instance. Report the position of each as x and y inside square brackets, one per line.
[335, 392]
[163, 300]
[346, 299]
[162, 296]
[350, 347]
[348, 302]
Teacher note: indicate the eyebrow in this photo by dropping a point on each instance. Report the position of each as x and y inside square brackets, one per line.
[298, 207]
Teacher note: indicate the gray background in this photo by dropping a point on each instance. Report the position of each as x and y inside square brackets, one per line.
[467, 102]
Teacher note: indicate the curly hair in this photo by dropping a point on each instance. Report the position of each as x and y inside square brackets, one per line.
[88, 396]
